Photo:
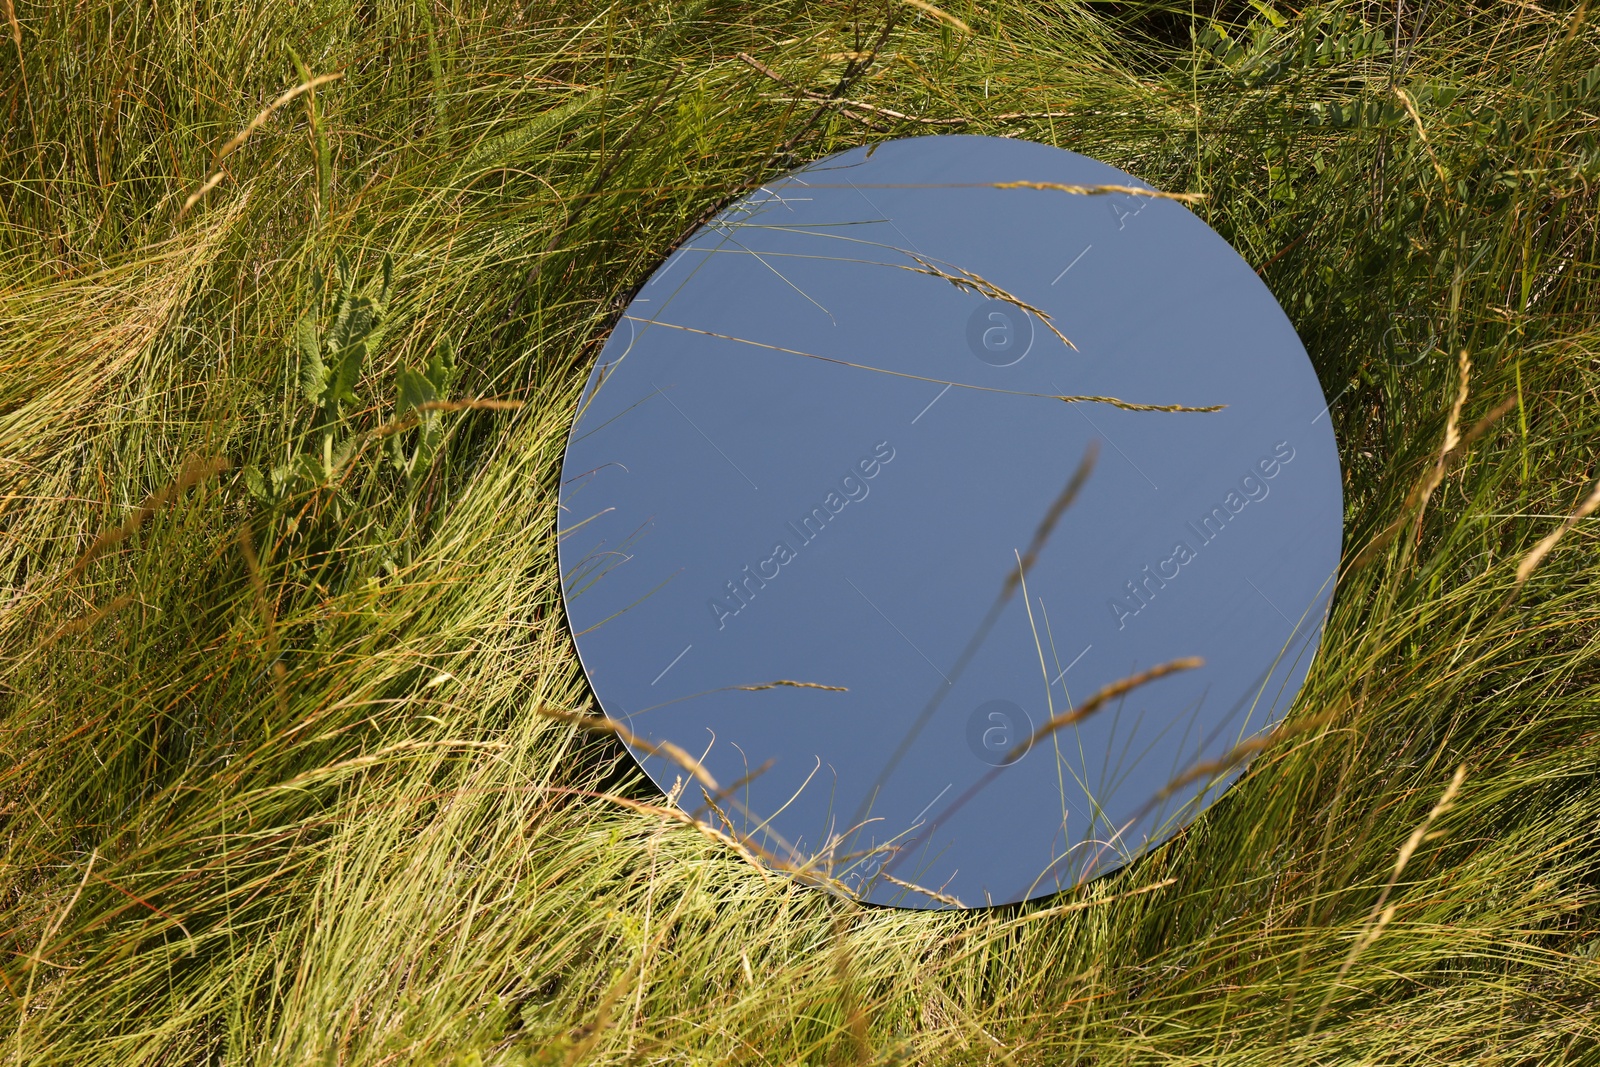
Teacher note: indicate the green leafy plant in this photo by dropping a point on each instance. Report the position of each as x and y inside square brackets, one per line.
[419, 394]
[332, 352]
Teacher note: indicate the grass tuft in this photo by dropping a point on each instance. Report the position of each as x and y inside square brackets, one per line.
[274, 784]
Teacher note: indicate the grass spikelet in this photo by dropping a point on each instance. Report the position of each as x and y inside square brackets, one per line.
[1531, 561]
[194, 472]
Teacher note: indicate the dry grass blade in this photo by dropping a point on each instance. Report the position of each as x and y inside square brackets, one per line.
[942, 16]
[850, 1001]
[1116, 402]
[846, 105]
[197, 470]
[266, 113]
[1479, 428]
[1239, 753]
[1205, 770]
[85, 622]
[414, 416]
[32, 962]
[1083, 905]
[1542, 549]
[1099, 700]
[737, 784]
[762, 862]
[1008, 588]
[967, 281]
[251, 127]
[1380, 915]
[1047, 526]
[1053, 911]
[1126, 406]
[667, 749]
[752, 688]
[1422, 133]
[787, 682]
[801, 870]
[932, 894]
[697, 770]
[268, 616]
[1451, 449]
[589, 1033]
[1102, 190]
[1452, 436]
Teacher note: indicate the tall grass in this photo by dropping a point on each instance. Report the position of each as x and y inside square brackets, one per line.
[274, 786]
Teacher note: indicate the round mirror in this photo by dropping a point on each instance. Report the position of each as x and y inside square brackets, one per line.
[938, 523]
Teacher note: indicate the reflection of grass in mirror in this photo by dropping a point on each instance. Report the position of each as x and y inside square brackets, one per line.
[1008, 587]
[864, 867]
[389, 858]
[1099, 700]
[960, 277]
[1126, 405]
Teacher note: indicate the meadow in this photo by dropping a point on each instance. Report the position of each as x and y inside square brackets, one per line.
[296, 301]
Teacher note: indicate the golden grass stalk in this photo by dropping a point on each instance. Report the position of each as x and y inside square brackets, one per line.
[251, 127]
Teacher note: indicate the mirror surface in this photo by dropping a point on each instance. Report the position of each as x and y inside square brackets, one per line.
[824, 527]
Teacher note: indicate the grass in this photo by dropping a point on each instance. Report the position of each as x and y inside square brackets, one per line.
[273, 787]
